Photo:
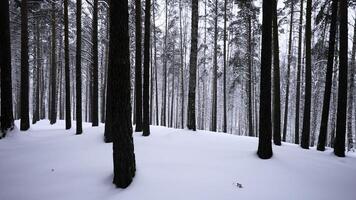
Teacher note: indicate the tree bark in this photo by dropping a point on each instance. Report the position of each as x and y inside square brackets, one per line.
[191, 121]
[339, 146]
[138, 68]
[53, 117]
[94, 103]
[66, 68]
[78, 71]
[215, 69]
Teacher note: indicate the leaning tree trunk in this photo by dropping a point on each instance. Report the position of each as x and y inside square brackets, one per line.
[94, 103]
[265, 129]
[328, 80]
[53, 116]
[306, 117]
[24, 90]
[276, 81]
[146, 71]
[7, 119]
[123, 155]
[78, 69]
[339, 146]
[191, 121]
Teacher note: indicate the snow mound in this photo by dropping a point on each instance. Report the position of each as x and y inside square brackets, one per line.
[48, 162]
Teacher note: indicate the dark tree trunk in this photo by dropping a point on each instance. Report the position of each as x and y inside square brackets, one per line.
[300, 60]
[155, 62]
[225, 65]
[276, 81]
[215, 69]
[36, 83]
[95, 89]
[307, 96]
[123, 149]
[191, 122]
[78, 69]
[7, 119]
[24, 90]
[328, 81]
[286, 107]
[66, 67]
[181, 65]
[146, 71]
[138, 68]
[265, 136]
[339, 146]
[53, 117]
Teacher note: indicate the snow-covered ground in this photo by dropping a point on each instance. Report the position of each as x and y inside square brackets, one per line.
[48, 162]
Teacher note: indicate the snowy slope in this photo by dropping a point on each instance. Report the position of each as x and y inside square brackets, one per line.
[50, 163]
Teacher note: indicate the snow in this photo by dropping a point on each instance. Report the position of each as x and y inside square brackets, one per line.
[48, 162]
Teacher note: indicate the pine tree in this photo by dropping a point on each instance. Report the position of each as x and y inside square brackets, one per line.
[138, 67]
[146, 70]
[339, 146]
[123, 149]
[7, 119]
[215, 69]
[66, 67]
[24, 90]
[328, 80]
[95, 103]
[276, 80]
[306, 117]
[78, 69]
[191, 121]
[265, 129]
[53, 116]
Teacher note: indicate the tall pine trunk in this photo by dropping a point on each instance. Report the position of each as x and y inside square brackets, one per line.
[24, 90]
[276, 80]
[164, 78]
[225, 65]
[78, 69]
[138, 68]
[328, 81]
[286, 107]
[265, 129]
[307, 97]
[94, 103]
[191, 121]
[53, 116]
[299, 65]
[123, 149]
[66, 68]
[7, 119]
[215, 69]
[339, 146]
[146, 71]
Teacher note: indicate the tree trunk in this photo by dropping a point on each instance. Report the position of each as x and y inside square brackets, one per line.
[78, 71]
[339, 146]
[155, 63]
[215, 69]
[225, 65]
[300, 61]
[181, 65]
[328, 80]
[66, 67]
[94, 103]
[123, 149]
[265, 136]
[276, 80]
[249, 83]
[191, 123]
[286, 107]
[146, 71]
[24, 90]
[7, 119]
[138, 68]
[306, 117]
[53, 117]
[350, 97]
[164, 80]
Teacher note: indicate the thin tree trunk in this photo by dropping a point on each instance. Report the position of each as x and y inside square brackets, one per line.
[155, 63]
[138, 68]
[181, 65]
[53, 117]
[215, 68]
[66, 67]
[249, 83]
[94, 103]
[164, 80]
[78, 71]
[225, 65]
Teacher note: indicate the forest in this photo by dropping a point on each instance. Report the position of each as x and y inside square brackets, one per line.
[278, 75]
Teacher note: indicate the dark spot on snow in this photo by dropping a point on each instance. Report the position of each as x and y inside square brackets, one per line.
[238, 185]
[52, 170]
